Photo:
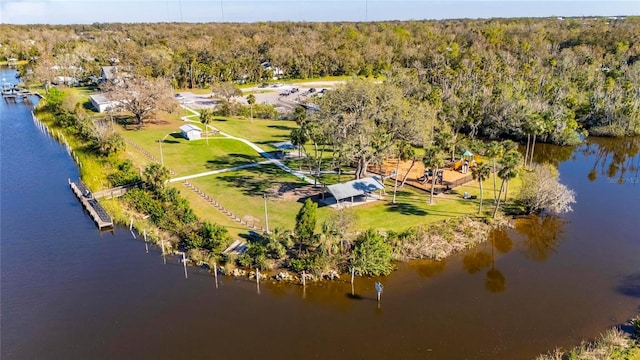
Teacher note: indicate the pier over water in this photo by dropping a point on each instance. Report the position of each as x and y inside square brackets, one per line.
[93, 207]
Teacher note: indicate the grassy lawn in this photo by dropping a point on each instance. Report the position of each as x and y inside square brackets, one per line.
[412, 206]
[206, 211]
[192, 157]
[242, 191]
[260, 132]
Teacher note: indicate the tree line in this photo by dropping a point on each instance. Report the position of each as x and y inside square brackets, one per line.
[550, 78]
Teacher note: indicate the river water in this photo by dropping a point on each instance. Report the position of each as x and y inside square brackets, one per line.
[70, 292]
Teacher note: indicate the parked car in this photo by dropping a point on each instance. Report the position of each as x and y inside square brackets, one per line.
[285, 93]
[294, 90]
[322, 91]
[312, 90]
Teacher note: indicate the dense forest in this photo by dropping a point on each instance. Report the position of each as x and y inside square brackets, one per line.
[554, 78]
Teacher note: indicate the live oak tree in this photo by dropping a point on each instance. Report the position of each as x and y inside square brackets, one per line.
[226, 90]
[365, 121]
[142, 96]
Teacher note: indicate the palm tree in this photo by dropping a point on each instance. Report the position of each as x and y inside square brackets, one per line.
[206, 116]
[446, 142]
[537, 128]
[508, 146]
[527, 128]
[509, 170]
[432, 160]
[481, 173]
[251, 99]
[494, 150]
[405, 152]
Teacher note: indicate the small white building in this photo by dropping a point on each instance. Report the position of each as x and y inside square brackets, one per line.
[191, 132]
[102, 103]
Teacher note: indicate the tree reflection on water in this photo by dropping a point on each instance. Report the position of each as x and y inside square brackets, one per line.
[542, 234]
[615, 158]
[476, 260]
[501, 240]
[495, 281]
[428, 267]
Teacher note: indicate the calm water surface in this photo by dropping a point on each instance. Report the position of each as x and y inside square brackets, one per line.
[70, 292]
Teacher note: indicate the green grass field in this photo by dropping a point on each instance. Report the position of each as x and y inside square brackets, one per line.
[258, 131]
[196, 156]
[242, 191]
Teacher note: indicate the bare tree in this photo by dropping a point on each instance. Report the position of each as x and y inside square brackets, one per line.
[541, 190]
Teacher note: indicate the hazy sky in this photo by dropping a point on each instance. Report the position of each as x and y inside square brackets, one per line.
[90, 11]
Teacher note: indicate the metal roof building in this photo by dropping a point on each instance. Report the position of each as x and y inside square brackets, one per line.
[191, 132]
[102, 103]
[354, 188]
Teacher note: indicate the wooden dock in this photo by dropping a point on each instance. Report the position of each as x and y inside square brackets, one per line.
[13, 94]
[93, 207]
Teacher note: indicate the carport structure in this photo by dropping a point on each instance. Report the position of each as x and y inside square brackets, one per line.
[355, 189]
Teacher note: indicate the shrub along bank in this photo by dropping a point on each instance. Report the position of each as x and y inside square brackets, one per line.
[614, 344]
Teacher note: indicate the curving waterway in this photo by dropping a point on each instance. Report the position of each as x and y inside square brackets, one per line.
[70, 292]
